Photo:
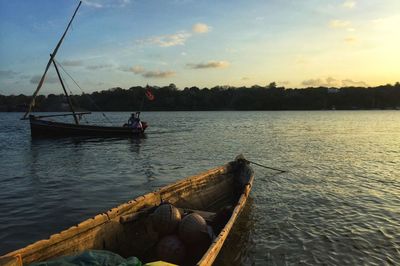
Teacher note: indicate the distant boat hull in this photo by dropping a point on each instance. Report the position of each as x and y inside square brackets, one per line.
[44, 128]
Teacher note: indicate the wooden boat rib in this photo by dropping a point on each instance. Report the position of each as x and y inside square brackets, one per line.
[126, 229]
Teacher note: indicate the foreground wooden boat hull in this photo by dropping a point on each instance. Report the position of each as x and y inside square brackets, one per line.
[45, 128]
[205, 191]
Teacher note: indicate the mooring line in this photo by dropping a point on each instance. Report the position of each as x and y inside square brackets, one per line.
[275, 169]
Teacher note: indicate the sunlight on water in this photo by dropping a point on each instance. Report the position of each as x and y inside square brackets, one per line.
[339, 204]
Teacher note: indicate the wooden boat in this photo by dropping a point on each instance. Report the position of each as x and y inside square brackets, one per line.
[44, 128]
[127, 229]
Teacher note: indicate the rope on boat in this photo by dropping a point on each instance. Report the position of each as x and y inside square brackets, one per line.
[70, 93]
[267, 167]
[76, 83]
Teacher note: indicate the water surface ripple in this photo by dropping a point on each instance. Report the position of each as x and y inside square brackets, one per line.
[339, 204]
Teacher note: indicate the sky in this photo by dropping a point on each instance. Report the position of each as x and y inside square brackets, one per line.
[203, 43]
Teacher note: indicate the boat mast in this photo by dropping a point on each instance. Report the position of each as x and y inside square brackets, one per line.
[49, 63]
[66, 93]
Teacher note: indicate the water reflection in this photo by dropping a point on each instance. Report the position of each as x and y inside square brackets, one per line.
[239, 246]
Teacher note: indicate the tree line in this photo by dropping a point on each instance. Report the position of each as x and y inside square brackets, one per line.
[170, 98]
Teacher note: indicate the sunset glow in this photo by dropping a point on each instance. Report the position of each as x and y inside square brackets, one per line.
[201, 43]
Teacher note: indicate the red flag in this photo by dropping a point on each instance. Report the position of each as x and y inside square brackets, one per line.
[149, 94]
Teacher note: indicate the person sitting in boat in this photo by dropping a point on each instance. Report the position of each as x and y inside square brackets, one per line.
[134, 121]
[131, 120]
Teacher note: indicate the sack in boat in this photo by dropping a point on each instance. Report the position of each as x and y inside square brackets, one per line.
[91, 257]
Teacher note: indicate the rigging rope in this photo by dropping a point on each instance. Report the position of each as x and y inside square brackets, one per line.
[88, 97]
[80, 116]
[70, 92]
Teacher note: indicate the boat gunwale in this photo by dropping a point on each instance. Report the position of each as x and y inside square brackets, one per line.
[214, 249]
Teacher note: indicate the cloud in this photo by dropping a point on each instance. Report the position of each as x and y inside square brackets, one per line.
[283, 83]
[7, 74]
[49, 79]
[210, 64]
[158, 74]
[139, 70]
[96, 67]
[179, 38]
[332, 82]
[312, 82]
[92, 4]
[167, 40]
[349, 4]
[389, 24]
[25, 76]
[328, 82]
[124, 69]
[200, 28]
[350, 40]
[351, 83]
[106, 3]
[339, 24]
[245, 78]
[72, 63]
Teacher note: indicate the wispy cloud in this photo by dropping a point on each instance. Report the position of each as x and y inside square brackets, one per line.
[92, 4]
[351, 40]
[328, 82]
[179, 38]
[210, 64]
[158, 74]
[200, 28]
[7, 74]
[386, 23]
[106, 3]
[136, 69]
[167, 40]
[101, 66]
[49, 79]
[332, 82]
[351, 83]
[283, 83]
[349, 4]
[339, 24]
[139, 70]
[72, 63]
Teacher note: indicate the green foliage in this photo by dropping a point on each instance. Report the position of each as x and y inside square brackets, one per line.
[170, 98]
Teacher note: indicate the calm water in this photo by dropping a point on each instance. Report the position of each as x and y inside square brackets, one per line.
[338, 204]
